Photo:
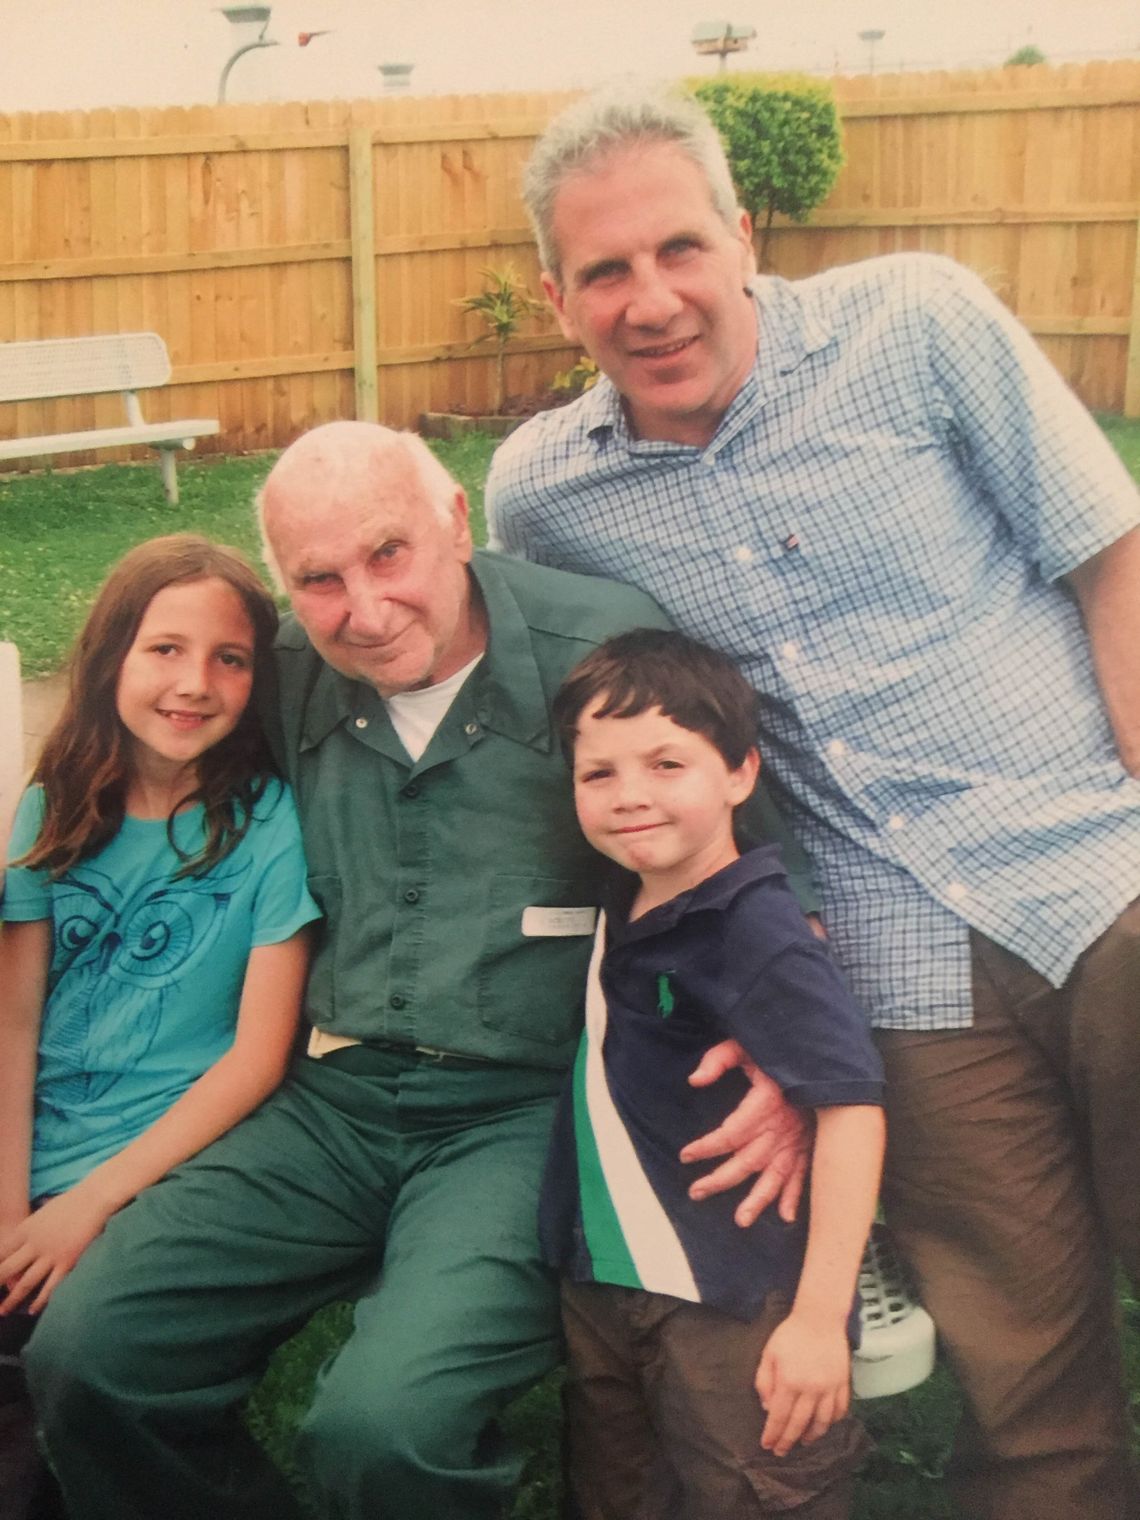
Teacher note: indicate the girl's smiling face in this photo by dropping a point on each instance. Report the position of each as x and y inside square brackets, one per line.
[186, 678]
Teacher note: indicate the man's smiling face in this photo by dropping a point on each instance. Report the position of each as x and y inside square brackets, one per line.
[376, 572]
[652, 285]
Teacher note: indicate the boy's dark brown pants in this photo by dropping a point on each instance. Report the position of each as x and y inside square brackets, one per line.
[1012, 1182]
[664, 1422]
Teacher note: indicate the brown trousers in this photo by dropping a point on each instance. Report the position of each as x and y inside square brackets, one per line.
[664, 1423]
[1012, 1182]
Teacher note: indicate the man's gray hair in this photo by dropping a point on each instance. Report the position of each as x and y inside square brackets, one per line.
[619, 115]
[438, 486]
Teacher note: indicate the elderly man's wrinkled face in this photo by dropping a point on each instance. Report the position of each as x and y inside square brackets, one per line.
[376, 577]
[652, 285]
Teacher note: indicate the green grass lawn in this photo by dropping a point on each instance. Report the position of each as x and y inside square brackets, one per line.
[58, 535]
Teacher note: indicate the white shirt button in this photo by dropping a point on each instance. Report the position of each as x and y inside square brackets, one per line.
[742, 554]
[896, 822]
[836, 749]
[470, 728]
[790, 650]
[957, 891]
[362, 722]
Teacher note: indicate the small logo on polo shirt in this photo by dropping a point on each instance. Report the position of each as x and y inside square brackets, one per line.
[664, 995]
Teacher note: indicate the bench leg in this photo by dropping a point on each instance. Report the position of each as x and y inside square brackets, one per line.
[169, 475]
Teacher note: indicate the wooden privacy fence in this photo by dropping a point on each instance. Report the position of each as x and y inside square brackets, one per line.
[1031, 176]
[303, 261]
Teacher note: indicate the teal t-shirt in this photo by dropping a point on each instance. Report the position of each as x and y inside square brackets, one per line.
[146, 972]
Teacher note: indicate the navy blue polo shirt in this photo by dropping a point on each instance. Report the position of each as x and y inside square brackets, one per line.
[733, 957]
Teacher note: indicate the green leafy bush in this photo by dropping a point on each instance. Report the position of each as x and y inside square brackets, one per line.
[783, 140]
[1025, 57]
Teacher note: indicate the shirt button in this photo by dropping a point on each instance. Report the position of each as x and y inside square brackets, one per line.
[790, 651]
[396, 1001]
[836, 749]
[957, 891]
[362, 722]
[470, 728]
[412, 789]
[896, 822]
[742, 554]
[411, 895]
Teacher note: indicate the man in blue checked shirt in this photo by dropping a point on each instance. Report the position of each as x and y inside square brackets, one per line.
[872, 490]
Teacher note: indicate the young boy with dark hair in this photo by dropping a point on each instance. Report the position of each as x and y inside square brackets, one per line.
[675, 1318]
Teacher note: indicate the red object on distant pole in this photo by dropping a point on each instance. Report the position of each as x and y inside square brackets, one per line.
[304, 38]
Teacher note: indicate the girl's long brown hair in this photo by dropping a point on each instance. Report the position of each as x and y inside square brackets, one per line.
[85, 764]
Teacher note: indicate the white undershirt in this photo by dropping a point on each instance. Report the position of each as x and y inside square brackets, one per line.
[416, 715]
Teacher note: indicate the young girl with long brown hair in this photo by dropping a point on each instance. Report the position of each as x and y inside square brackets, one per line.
[153, 950]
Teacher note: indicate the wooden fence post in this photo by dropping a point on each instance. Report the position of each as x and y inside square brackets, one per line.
[1132, 368]
[363, 271]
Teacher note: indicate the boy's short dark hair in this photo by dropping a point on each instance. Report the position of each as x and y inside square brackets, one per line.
[698, 687]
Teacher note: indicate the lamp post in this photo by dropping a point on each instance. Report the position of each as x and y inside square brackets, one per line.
[250, 23]
[721, 38]
[871, 36]
[395, 77]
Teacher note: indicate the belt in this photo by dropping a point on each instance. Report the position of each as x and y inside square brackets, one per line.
[325, 1046]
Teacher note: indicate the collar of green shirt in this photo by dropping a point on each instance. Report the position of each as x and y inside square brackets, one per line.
[506, 688]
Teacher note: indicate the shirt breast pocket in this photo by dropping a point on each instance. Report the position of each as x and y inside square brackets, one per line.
[537, 939]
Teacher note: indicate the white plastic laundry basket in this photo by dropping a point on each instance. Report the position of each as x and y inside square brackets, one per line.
[897, 1349]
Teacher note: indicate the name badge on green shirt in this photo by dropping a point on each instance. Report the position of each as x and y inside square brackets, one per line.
[549, 923]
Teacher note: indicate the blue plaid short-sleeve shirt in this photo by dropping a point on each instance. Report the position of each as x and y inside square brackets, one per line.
[877, 532]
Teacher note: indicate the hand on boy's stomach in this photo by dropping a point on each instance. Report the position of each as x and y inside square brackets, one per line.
[764, 1136]
[41, 1250]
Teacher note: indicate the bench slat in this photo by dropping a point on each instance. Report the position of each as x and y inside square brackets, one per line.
[151, 433]
[51, 367]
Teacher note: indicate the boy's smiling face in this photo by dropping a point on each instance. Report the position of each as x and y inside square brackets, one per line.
[657, 798]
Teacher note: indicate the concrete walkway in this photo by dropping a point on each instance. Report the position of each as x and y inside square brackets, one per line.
[41, 701]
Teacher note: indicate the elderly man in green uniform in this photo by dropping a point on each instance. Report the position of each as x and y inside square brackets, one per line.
[399, 1163]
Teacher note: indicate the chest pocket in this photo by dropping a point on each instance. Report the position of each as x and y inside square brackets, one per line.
[532, 985]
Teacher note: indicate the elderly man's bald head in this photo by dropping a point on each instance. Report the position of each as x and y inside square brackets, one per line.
[368, 535]
[345, 456]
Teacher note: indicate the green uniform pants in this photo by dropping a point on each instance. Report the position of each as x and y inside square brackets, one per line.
[369, 1159]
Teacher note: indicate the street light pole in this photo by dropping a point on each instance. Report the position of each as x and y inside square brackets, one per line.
[871, 36]
[395, 77]
[244, 16]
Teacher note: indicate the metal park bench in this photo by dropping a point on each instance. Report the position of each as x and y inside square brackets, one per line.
[124, 362]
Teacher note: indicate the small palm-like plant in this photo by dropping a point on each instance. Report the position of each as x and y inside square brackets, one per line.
[503, 303]
[578, 379]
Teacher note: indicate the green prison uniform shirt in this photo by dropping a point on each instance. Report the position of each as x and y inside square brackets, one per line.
[429, 873]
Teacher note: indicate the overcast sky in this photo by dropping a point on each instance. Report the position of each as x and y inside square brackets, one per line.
[62, 54]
